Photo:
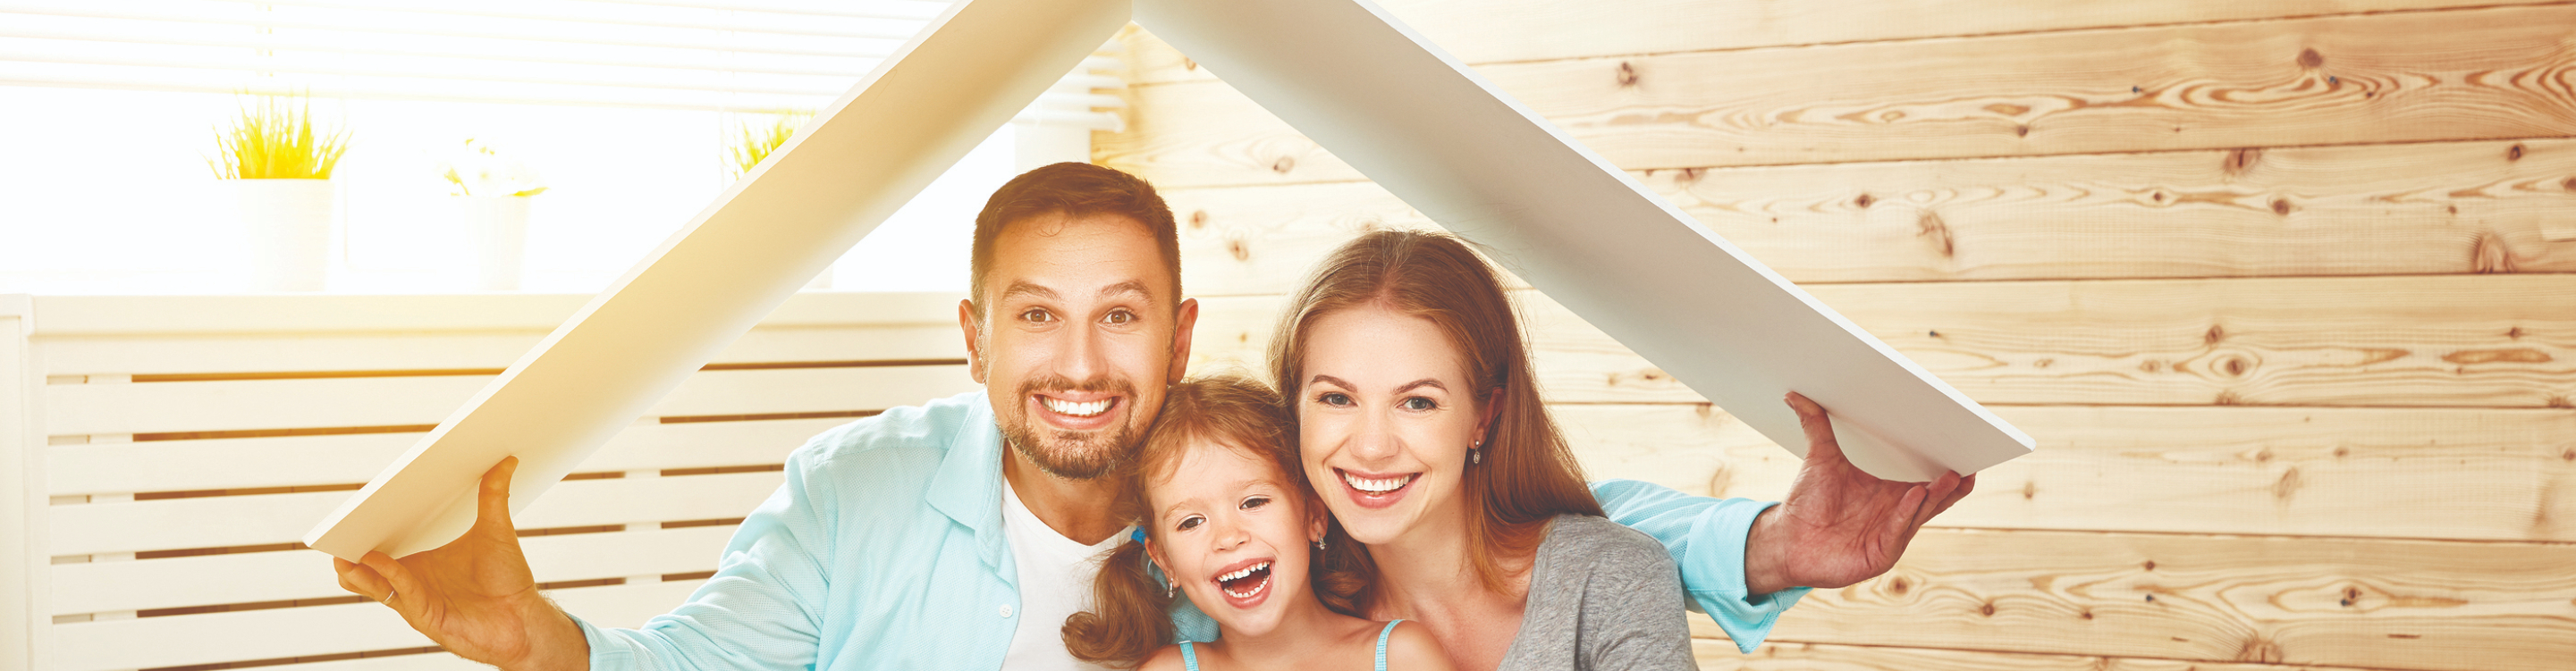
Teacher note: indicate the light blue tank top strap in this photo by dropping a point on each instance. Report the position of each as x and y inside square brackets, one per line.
[1189, 657]
[1381, 643]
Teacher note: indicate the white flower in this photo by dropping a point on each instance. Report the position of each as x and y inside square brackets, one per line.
[476, 170]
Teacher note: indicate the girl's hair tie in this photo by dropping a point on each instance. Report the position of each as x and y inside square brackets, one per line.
[1137, 535]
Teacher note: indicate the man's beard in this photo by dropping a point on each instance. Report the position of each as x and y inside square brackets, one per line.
[1073, 455]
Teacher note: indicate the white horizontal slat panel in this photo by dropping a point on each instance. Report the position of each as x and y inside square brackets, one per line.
[259, 577]
[330, 313]
[233, 521]
[319, 630]
[233, 405]
[318, 352]
[435, 661]
[289, 461]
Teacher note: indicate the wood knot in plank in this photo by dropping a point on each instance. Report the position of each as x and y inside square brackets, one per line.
[1284, 164]
[2514, 153]
[1239, 250]
[2021, 131]
[1930, 227]
[2309, 58]
[1864, 201]
[1987, 609]
[2287, 486]
[2029, 490]
[2569, 185]
[2214, 335]
[1198, 219]
[2150, 565]
[2241, 161]
[1189, 64]
[2505, 355]
[2227, 398]
[1899, 585]
[2235, 366]
[2281, 206]
[2490, 254]
[2259, 649]
[2008, 109]
[1627, 74]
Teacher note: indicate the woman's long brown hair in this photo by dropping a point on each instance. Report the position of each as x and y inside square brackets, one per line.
[1527, 475]
[1131, 616]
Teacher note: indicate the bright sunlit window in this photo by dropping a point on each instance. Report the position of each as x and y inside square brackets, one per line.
[608, 123]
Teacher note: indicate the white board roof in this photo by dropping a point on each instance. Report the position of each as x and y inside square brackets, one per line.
[1345, 73]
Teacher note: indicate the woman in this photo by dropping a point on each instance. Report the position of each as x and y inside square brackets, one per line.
[1456, 502]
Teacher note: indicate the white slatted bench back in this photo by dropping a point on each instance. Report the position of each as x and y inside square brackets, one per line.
[185, 443]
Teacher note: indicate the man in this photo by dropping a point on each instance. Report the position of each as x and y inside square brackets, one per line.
[957, 534]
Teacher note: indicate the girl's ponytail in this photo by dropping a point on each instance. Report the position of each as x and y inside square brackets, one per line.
[1130, 617]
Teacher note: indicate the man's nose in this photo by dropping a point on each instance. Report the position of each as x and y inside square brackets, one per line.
[1081, 357]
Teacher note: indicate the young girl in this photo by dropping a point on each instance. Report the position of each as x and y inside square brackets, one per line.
[1224, 513]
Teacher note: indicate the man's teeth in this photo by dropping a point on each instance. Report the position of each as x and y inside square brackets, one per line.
[1237, 575]
[1376, 485]
[1076, 409]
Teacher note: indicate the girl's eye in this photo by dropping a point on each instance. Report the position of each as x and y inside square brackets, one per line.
[1420, 403]
[1255, 502]
[1036, 315]
[1191, 522]
[1119, 317]
[1333, 398]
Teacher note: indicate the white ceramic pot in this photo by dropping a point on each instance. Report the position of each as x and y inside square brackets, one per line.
[288, 224]
[496, 228]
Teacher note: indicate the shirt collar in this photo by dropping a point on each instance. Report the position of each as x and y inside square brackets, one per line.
[968, 486]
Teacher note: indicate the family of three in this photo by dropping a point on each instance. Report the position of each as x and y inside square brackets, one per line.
[1395, 496]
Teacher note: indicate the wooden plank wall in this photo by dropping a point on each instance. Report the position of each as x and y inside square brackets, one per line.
[2281, 287]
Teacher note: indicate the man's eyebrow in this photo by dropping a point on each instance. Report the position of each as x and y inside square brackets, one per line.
[1136, 287]
[1025, 289]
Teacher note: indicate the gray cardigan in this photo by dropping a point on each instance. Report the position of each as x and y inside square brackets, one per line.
[1602, 596]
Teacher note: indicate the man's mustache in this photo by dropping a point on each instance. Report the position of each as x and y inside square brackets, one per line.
[1106, 385]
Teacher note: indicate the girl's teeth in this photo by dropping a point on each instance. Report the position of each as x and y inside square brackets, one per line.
[1243, 572]
[1376, 485]
[1076, 409]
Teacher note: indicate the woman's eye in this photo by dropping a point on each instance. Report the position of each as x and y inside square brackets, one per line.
[1420, 403]
[1255, 502]
[1333, 398]
[1188, 523]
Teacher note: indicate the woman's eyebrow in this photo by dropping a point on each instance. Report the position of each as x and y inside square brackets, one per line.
[1424, 382]
[1335, 381]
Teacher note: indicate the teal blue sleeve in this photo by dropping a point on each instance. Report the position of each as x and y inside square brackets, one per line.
[1706, 538]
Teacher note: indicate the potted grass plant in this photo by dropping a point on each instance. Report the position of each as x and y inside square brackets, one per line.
[278, 166]
[493, 193]
[753, 141]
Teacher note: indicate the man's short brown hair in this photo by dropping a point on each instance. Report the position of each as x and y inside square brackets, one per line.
[1074, 190]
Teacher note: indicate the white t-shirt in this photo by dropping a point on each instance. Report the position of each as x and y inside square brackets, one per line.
[1055, 582]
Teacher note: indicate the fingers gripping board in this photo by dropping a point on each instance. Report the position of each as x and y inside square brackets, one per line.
[1418, 122]
[862, 158]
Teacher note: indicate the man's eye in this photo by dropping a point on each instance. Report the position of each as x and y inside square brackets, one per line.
[1333, 398]
[1255, 502]
[1188, 523]
[1036, 315]
[1119, 317]
[1420, 403]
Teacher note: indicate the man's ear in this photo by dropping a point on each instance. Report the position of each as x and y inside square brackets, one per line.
[974, 355]
[1185, 321]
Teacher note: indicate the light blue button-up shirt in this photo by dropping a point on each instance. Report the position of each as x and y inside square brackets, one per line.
[884, 550]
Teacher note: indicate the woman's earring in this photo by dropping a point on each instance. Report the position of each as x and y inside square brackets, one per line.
[1476, 454]
[1319, 545]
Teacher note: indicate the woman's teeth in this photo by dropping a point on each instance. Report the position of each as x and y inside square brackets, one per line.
[1076, 409]
[1376, 485]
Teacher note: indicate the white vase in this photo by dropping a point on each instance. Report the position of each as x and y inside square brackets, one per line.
[288, 224]
[496, 228]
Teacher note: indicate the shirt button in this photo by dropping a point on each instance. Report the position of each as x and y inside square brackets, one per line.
[1006, 610]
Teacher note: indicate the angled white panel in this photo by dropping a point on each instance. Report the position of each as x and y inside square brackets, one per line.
[1419, 123]
[907, 121]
